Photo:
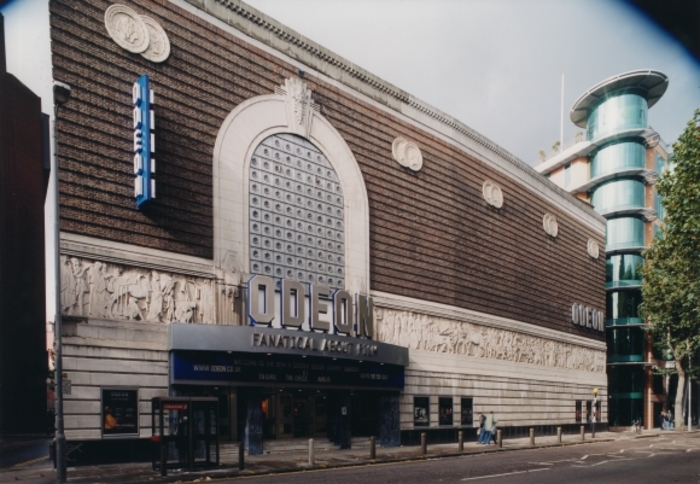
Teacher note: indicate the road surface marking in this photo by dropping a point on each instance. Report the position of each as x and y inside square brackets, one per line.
[584, 457]
[30, 462]
[504, 474]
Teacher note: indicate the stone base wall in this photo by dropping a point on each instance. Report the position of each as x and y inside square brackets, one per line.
[519, 394]
[99, 353]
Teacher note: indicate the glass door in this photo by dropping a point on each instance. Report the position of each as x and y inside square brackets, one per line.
[300, 416]
[285, 418]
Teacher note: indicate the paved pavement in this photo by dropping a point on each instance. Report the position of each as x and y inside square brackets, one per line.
[284, 461]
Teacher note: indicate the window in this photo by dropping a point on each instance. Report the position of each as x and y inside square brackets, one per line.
[625, 232]
[589, 410]
[578, 410]
[296, 213]
[421, 411]
[468, 412]
[445, 411]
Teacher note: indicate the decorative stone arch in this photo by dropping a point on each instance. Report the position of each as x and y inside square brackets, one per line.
[289, 110]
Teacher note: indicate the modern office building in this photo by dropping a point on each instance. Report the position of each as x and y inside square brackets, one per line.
[614, 167]
[248, 216]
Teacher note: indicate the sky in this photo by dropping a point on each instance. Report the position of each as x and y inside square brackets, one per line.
[497, 65]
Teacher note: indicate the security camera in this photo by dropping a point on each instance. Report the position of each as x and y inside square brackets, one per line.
[61, 93]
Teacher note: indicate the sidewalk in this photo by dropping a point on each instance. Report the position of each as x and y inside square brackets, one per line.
[287, 461]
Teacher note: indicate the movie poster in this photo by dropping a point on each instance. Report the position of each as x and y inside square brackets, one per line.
[120, 411]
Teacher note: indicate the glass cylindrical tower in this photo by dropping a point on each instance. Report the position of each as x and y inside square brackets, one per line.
[614, 114]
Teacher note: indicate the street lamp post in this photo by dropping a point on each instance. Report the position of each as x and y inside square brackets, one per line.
[690, 390]
[61, 94]
[594, 412]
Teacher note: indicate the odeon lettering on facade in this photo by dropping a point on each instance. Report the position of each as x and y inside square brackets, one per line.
[587, 317]
[310, 307]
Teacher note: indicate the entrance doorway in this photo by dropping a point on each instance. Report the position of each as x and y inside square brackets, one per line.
[291, 414]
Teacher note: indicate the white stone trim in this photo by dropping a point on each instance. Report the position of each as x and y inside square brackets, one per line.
[241, 132]
[274, 38]
[74, 245]
[392, 301]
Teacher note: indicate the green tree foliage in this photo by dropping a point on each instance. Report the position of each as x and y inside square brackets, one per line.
[671, 289]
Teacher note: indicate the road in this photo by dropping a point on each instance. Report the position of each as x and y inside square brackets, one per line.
[24, 453]
[665, 459]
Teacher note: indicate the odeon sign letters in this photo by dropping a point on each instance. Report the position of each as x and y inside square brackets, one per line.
[586, 317]
[284, 303]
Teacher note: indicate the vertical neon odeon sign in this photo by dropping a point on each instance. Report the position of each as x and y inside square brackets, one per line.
[144, 142]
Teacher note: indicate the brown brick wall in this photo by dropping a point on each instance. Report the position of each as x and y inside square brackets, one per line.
[432, 236]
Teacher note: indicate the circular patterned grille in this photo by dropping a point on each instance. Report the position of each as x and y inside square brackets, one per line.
[296, 213]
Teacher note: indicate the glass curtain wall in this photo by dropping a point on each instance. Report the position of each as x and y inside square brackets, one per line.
[621, 195]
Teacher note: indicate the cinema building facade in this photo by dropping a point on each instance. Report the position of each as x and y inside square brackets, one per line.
[327, 255]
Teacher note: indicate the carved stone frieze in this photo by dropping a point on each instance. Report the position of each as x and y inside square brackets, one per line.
[96, 289]
[428, 333]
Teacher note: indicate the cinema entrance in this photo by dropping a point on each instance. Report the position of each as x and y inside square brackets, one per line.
[318, 385]
[295, 414]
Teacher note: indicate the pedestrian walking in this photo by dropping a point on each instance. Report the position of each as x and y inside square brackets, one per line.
[670, 420]
[480, 432]
[492, 428]
[662, 420]
[489, 426]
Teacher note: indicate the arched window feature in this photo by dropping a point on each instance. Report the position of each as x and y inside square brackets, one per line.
[262, 200]
[296, 213]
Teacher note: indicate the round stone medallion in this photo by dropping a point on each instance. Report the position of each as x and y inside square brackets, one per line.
[549, 222]
[126, 28]
[407, 153]
[159, 46]
[492, 194]
[593, 249]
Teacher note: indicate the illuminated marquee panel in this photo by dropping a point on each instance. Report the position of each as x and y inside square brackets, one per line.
[144, 142]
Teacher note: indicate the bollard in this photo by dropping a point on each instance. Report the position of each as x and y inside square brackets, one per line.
[312, 457]
[163, 459]
[583, 432]
[372, 447]
[499, 438]
[532, 436]
[241, 456]
[423, 443]
[559, 435]
[460, 440]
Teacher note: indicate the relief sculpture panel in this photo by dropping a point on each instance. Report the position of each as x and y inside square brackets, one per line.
[96, 289]
[428, 333]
